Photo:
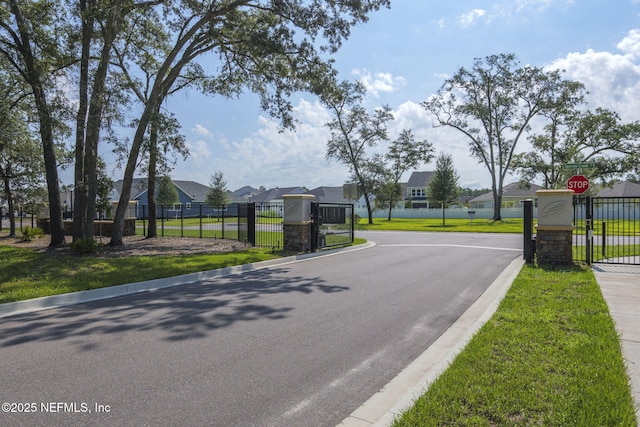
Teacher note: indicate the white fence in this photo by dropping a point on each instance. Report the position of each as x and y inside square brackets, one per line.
[450, 213]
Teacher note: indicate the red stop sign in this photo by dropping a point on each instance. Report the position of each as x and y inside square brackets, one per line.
[578, 183]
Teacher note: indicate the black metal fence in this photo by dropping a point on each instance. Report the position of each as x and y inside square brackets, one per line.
[333, 225]
[607, 229]
[259, 224]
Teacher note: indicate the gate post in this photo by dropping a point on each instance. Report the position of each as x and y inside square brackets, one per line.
[589, 230]
[529, 248]
[554, 232]
[297, 222]
[251, 223]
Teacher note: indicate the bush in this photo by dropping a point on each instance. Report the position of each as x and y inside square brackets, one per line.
[86, 246]
[31, 233]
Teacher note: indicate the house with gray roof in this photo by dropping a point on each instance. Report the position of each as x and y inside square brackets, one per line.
[620, 189]
[245, 194]
[274, 195]
[513, 196]
[415, 190]
[188, 191]
[329, 195]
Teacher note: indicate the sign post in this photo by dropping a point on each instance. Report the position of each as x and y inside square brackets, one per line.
[578, 183]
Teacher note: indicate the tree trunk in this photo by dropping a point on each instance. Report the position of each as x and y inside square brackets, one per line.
[497, 204]
[11, 209]
[123, 203]
[79, 215]
[389, 216]
[443, 215]
[94, 120]
[151, 187]
[369, 209]
[56, 227]
[34, 79]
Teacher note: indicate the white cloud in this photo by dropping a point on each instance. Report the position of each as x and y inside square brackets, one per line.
[613, 80]
[379, 82]
[201, 130]
[274, 158]
[468, 19]
[198, 151]
[534, 4]
[631, 43]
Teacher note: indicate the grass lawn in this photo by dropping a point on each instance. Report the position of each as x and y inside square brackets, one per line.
[509, 225]
[550, 355]
[25, 274]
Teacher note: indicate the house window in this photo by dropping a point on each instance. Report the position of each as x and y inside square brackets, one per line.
[417, 192]
[188, 206]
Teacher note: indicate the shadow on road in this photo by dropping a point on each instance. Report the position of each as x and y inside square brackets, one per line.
[181, 313]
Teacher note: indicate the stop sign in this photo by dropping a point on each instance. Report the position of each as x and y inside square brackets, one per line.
[578, 183]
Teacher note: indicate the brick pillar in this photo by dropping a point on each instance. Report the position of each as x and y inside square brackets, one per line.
[297, 237]
[554, 246]
[297, 222]
[554, 232]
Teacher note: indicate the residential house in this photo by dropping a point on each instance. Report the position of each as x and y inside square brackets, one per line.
[274, 195]
[513, 196]
[329, 195]
[619, 189]
[245, 194]
[190, 195]
[415, 190]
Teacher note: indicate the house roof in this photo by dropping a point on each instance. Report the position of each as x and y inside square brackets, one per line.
[515, 189]
[276, 194]
[419, 179]
[620, 189]
[243, 194]
[329, 195]
[198, 192]
[138, 186]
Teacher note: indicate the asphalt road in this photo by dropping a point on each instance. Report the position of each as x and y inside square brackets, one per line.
[301, 344]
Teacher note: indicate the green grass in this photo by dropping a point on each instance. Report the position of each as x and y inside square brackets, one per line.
[550, 355]
[25, 274]
[510, 225]
[611, 251]
[622, 227]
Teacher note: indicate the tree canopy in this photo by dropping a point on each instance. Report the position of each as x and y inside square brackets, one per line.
[493, 104]
[100, 51]
[218, 196]
[353, 130]
[443, 186]
[599, 137]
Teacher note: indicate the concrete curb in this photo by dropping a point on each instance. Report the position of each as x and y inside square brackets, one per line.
[399, 394]
[45, 303]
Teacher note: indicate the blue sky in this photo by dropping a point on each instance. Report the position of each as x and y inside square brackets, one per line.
[403, 56]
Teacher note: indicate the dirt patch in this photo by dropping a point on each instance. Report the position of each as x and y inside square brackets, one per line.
[134, 246]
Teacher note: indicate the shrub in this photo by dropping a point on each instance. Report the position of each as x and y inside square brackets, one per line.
[31, 233]
[86, 246]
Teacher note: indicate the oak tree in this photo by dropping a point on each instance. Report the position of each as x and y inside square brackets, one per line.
[492, 105]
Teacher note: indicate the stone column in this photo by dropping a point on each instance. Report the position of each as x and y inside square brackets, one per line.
[554, 232]
[297, 222]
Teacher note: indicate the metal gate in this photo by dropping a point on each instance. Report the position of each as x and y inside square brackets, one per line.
[607, 229]
[332, 225]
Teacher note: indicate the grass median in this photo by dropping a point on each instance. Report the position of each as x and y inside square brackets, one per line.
[550, 355]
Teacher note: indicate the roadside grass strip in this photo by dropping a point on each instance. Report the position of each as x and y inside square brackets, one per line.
[25, 274]
[549, 356]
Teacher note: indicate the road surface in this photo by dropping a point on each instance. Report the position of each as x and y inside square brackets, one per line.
[299, 344]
